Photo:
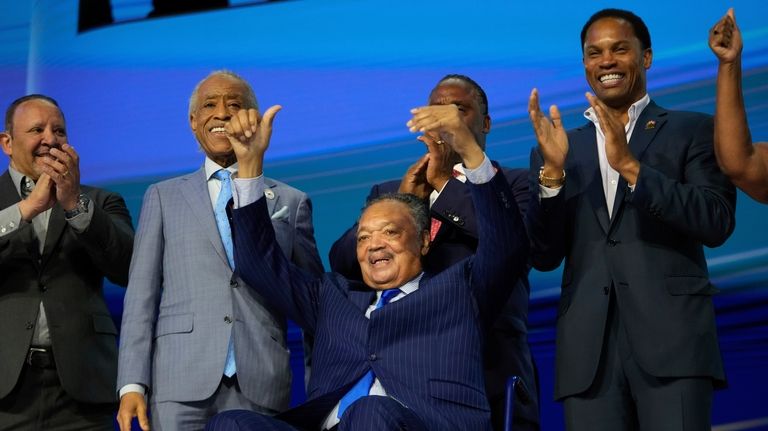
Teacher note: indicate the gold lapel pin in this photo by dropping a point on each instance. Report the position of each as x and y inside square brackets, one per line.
[651, 124]
[269, 194]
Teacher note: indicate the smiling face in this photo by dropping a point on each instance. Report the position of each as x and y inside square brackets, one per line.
[217, 99]
[389, 245]
[615, 63]
[37, 127]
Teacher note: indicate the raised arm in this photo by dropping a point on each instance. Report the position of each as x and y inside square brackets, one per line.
[745, 164]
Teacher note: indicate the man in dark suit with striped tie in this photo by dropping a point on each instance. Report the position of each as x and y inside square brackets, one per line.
[415, 363]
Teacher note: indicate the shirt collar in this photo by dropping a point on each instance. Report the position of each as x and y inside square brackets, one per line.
[212, 167]
[634, 111]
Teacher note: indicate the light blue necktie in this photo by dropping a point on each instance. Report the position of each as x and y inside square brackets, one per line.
[222, 222]
[363, 386]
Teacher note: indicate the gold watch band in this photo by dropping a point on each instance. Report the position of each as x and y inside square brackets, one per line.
[549, 181]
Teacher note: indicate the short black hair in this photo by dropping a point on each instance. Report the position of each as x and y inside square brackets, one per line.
[638, 26]
[482, 99]
[416, 207]
[11, 111]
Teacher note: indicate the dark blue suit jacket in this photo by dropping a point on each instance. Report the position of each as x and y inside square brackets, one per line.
[507, 351]
[426, 349]
[650, 252]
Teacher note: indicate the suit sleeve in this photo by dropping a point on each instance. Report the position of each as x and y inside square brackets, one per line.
[502, 251]
[305, 253]
[342, 255]
[702, 203]
[292, 290]
[545, 220]
[143, 295]
[108, 239]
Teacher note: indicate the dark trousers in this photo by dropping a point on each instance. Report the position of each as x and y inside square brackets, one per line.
[624, 397]
[375, 413]
[39, 403]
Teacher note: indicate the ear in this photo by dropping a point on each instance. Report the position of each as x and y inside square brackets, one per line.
[5, 141]
[487, 124]
[192, 123]
[424, 242]
[647, 58]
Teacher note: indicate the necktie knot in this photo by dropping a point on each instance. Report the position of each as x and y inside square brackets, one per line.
[223, 175]
[386, 296]
[26, 186]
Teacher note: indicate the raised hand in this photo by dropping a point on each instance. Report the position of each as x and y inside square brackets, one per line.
[725, 39]
[415, 179]
[41, 199]
[616, 149]
[63, 167]
[249, 133]
[444, 123]
[552, 139]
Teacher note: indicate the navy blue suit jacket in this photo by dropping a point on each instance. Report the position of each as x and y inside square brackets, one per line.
[507, 351]
[426, 349]
[650, 252]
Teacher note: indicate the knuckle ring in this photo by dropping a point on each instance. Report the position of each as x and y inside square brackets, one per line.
[440, 142]
[65, 173]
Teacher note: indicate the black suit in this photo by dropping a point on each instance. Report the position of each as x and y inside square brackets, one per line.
[68, 279]
[506, 347]
[648, 256]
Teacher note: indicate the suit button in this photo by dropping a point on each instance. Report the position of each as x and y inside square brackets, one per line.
[612, 242]
[606, 290]
[44, 288]
[233, 283]
[227, 319]
[372, 357]
[29, 325]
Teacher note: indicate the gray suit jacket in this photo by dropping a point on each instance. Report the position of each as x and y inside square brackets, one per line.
[183, 301]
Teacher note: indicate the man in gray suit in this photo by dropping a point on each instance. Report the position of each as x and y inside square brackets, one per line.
[195, 340]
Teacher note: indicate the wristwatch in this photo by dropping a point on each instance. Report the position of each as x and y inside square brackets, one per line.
[81, 208]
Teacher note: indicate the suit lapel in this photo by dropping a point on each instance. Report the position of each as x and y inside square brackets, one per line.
[8, 193]
[585, 140]
[271, 194]
[360, 295]
[194, 188]
[648, 125]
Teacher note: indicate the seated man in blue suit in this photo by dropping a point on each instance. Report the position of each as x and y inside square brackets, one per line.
[416, 363]
[438, 179]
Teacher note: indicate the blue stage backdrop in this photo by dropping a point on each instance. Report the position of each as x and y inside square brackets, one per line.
[347, 72]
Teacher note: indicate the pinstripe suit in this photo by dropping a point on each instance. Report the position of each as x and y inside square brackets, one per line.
[426, 349]
[184, 302]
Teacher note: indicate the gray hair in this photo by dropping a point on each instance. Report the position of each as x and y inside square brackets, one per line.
[250, 96]
[416, 207]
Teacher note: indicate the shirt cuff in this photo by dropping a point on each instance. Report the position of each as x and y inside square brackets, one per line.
[548, 192]
[10, 219]
[80, 222]
[481, 174]
[133, 387]
[247, 191]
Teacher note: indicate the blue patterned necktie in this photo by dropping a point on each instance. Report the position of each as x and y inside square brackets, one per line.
[363, 386]
[222, 222]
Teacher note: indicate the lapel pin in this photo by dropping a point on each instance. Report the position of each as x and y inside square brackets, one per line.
[651, 124]
[269, 194]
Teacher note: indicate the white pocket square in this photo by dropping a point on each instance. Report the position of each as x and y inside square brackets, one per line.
[281, 214]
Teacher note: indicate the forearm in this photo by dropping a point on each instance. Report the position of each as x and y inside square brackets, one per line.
[733, 142]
